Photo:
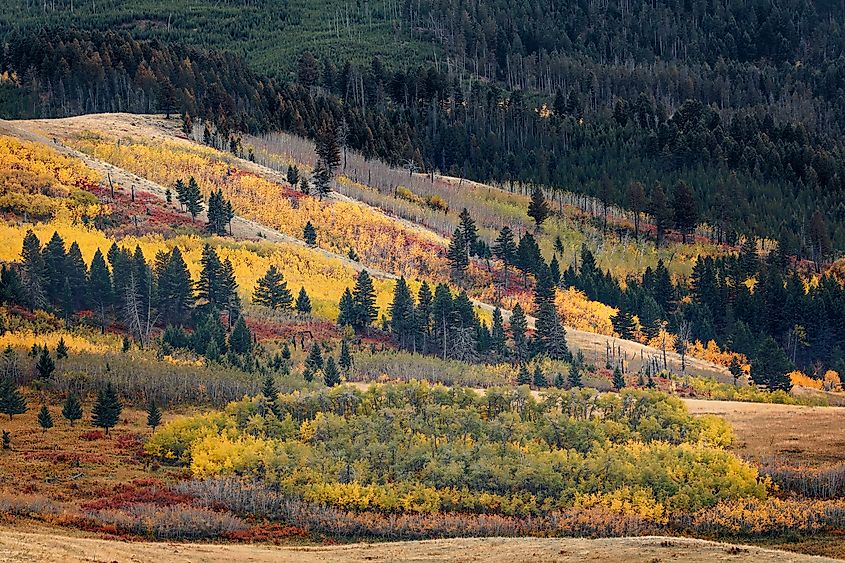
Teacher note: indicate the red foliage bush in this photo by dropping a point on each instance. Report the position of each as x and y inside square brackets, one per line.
[93, 435]
[271, 533]
[139, 491]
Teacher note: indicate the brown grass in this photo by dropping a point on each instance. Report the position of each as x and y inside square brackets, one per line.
[795, 435]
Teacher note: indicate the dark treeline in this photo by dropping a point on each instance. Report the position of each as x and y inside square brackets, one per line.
[743, 159]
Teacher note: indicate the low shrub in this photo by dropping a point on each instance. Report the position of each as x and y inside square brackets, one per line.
[169, 522]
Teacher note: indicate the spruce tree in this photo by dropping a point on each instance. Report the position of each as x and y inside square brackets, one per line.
[45, 419]
[293, 175]
[76, 278]
[458, 255]
[304, 187]
[330, 373]
[540, 381]
[271, 290]
[524, 376]
[303, 302]
[153, 415]
[559, 382]
[498, 338]
[422, 316]
[735, 369]
[551, 335]
[33, 271]
[623, 322]
[107, 408]
[345, 360]
[346, 309]
[364, 300]
[7, 440]
[402, 323]
[193, 198]
[661, 213]
[209, 286]
[181, 193]
[314, 361]
[309, 234]
[240, 341]
[55, 263]
[175, 289]
[470, 232]
[322, 180]
[11, 400]
[618, 379]
[61, 349]
[100, 287]
[269, 389]
[72, 408]
[770, 366]
[45, 366]
[684, 209]
[575, 375]
[327, 147]
[538, 207]
[505, 250]
[519, 328]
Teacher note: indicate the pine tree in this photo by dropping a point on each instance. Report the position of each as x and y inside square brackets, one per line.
[100, 286]
[55, 263]
[636, 201]
[168, 196]
[528, 257]
[498, 338]
[505, 250]
[107, 408]
[193, 198]
[540, 381]
[524, 376]
[240, 341]
[76, 277]
[327, 147]
[575, 375]
[322, 180]
[72, 408]
[346, 309]
[7, 440]
[45, 419]
[181, 193]
[519, 328]
[231, 303]
[271, 290]
[623, 322]
[684, 208]
[618, 379]
[303, 302]
[269, 389]
[153, 415]
[309, 234]
[345, 360]
[470, 231]
[559, 381]
[771, 366]
[219, 213]
[330, 373]
[33, 271]
[11, 400]
[402, 323]
[61, 349]
[314, 361]
[538, 207]
[293, 175]
[286, 351]
[661, 213]
[45, 366]
[364, 300]
[175, 295]
[209, 286]
[551, 335]
[126, 344]
[458, 255]
[304, 187]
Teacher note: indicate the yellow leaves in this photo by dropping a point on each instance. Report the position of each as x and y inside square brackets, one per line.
[246, 455]
[378, 240]
[579, 312]
[74, 342]
[632, 501]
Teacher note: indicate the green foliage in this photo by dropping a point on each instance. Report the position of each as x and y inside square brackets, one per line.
[72, 408]
[570, 443]
[45, 419]
[271, 290]
[240, 341]
[309, 234]
[45, 366]
[11, 400]
[107, 408]
[303, 302]
[153, 415]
